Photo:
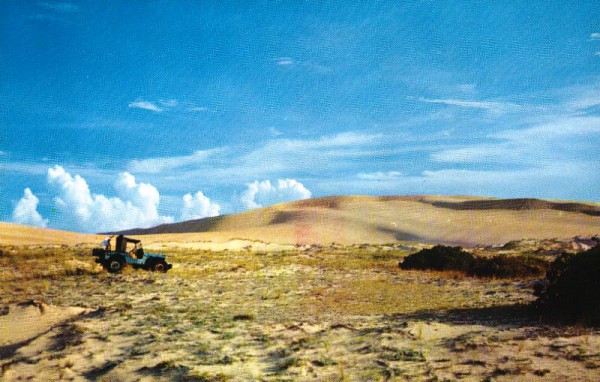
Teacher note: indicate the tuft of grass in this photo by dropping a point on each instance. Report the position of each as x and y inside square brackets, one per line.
[283, 364]
[243, 317]
[228, 335]
[470, 341]
[70, 335]
[323, 361]
[393, 354]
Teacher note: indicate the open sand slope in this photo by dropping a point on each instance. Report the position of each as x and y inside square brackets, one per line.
[15, 234]
[376, 220]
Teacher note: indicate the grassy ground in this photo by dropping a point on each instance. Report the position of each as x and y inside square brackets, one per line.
[324, 313]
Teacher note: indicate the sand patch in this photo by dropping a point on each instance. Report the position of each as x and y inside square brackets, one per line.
[26, 321]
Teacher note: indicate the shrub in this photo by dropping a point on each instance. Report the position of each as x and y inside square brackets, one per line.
[439, 258]
[443, 258]
[572, 287]
[507, 266]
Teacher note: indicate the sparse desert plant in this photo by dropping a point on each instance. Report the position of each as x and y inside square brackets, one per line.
[243, 317]
[407, 354]
[572, 287]
[281, 365]
[439, 258]
[323, 361]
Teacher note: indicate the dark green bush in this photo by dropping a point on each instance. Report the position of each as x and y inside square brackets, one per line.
[572, 287]
[441, 258]
[507, 266]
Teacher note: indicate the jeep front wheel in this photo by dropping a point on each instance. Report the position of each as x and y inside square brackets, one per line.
[160, 266]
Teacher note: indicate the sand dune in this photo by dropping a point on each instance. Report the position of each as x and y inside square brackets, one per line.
[14, 234]
[458, 220]
[365, 219]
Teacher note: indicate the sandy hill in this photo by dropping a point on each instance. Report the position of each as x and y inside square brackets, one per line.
[15, 234]
[367, 219]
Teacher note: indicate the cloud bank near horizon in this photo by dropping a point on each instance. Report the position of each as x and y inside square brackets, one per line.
[136, 204]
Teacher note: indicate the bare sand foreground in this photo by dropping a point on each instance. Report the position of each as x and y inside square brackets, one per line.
[318, 313]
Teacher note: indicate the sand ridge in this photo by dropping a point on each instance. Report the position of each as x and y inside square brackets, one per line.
[453, 220]
[376, 220]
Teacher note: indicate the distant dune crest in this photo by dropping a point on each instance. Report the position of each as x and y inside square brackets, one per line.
[520, 205]
[461, 220]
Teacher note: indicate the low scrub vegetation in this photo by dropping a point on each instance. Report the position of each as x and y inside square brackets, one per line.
[45, 262]
[571, 289]
[508, 266]
[443, 258]
[439, 258]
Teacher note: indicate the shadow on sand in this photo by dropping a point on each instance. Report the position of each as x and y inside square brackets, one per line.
[500, 317]
[505, 316]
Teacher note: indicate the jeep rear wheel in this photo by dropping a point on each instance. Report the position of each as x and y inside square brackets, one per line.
[114, 265]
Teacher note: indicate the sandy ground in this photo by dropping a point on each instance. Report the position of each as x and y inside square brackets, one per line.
[312, 314]
[29, 320]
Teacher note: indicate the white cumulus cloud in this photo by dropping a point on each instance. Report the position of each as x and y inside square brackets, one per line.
[136, 207]
[259, 194]
[198, 206]
[25, 211]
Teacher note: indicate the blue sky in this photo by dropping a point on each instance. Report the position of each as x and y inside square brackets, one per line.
[121, 114]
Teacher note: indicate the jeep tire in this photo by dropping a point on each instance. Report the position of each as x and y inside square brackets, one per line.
[159, 266]
[114, 264]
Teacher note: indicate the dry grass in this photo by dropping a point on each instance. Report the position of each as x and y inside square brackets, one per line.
[324, 313]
